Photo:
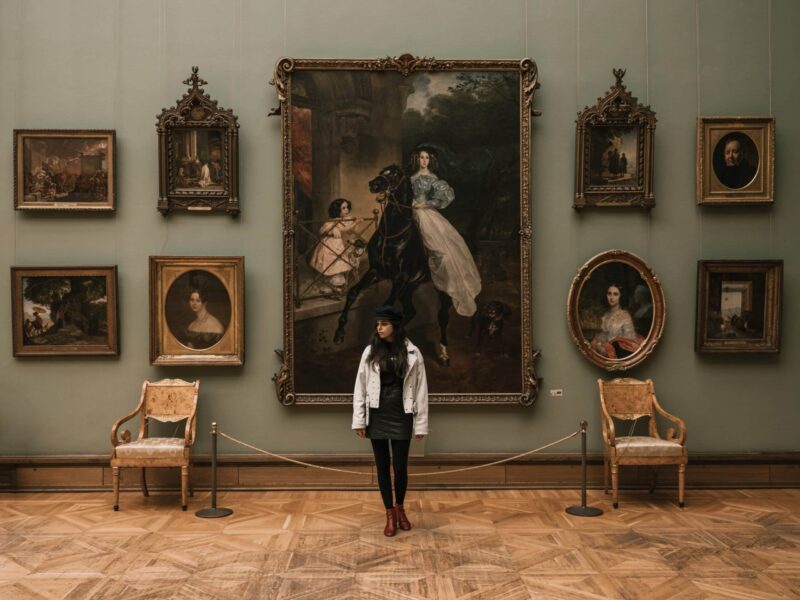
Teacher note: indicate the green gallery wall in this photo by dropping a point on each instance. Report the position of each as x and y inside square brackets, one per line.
[114, 64]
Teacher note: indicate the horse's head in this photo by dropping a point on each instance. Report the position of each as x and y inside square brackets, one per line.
[387, 180]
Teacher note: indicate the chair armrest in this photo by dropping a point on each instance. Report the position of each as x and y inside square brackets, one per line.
[126, 435]
[190, 433]
[607, 426]
[681, 437]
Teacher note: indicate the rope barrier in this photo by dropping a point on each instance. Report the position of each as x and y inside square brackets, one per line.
[470, 468]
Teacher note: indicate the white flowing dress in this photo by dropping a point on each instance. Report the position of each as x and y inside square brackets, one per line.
[453, 269]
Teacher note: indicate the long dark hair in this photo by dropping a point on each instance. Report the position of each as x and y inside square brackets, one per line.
[391, 354]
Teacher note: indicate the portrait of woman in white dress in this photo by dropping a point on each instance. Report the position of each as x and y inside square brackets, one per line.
[452, 267]
[617, 337]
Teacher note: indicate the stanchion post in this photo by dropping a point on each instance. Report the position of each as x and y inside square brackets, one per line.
[583, 510]
[213, 512]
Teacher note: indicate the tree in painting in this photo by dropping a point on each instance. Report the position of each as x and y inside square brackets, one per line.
[65, 310]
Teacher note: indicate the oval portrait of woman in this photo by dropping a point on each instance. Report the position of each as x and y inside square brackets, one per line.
[198, 309]
[615, 310]
[735, 160]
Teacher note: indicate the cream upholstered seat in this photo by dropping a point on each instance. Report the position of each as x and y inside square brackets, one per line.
[630, 399]
[168, 400]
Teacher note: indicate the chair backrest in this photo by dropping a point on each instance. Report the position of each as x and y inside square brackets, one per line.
[626, 398]
[169, 400]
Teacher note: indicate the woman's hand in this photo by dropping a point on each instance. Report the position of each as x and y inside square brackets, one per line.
[361, 432]
[419, 436]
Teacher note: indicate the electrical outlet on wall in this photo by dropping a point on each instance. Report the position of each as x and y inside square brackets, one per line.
[557, 393]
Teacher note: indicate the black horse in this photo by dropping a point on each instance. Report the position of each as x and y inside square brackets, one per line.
[396, 252]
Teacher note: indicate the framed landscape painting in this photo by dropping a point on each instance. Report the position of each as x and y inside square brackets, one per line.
[406, 181]
[64, 311]
[64, 169]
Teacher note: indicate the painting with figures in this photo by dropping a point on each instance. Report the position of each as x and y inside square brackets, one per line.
[406, 189]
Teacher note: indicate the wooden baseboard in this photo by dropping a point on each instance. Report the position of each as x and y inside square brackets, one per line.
[255, 472]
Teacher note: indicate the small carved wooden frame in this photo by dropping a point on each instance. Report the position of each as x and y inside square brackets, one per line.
[614, 151]
[198, 150]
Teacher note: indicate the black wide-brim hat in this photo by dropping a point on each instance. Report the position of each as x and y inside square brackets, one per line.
[388, 313]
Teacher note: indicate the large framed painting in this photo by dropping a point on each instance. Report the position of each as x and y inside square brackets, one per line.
[614, 151]
[406, 181]
[64, 311]
[64, 169]
[616, 310]
[198, 154]
[738, 306]
[735, 160]
[197, 310]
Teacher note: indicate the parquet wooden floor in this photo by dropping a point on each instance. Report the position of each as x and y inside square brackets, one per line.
[465, 544]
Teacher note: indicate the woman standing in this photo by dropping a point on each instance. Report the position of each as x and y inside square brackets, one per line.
[452, 268]
[390, 404]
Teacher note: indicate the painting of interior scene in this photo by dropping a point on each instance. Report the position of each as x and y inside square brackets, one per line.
[407, 193]
[197, 160]
[613, 156]
[65, 169]
[616, 310]
[736, 304]
[65, 311]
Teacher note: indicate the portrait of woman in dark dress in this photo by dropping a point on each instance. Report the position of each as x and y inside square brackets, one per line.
[390, 405]
[198, 309]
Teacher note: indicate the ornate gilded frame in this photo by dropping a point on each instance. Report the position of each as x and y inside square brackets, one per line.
[406, 64]
[617, 109]
[196, 113]
[21, 324]
[106, 202]
[165, 347]
[576, 330]
[757, 131]
[770, 303]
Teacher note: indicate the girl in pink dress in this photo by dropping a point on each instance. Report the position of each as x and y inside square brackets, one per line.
[330, 257]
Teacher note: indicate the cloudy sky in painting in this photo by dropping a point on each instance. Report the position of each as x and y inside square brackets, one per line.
[427, 85]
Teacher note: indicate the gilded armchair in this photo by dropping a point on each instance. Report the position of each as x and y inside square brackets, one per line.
[629, 400]
[170, 401]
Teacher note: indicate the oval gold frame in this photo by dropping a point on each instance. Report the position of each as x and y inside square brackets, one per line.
[659, 309]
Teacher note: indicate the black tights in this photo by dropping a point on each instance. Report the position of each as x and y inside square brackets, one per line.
[400, 459]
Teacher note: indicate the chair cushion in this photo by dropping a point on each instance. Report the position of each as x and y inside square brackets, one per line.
[637, 445]
[152, 448]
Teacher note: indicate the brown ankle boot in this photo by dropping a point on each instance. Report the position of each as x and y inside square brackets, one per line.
[391, 523]
[402, 519]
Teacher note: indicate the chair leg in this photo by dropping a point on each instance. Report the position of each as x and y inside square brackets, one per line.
[115, 482]
[184, 483]
[653, 480]
[605, 475]
[681, 483]
[145, 492]
[615, 484]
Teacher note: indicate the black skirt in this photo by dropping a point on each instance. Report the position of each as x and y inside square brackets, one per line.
[389, 421]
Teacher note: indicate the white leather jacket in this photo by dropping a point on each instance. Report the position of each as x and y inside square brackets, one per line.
[367, 390]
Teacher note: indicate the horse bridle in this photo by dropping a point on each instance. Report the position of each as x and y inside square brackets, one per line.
[390, 199]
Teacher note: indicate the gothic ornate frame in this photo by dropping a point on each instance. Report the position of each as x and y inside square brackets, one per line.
[196, 110]
[406, 64]
[618, 108]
